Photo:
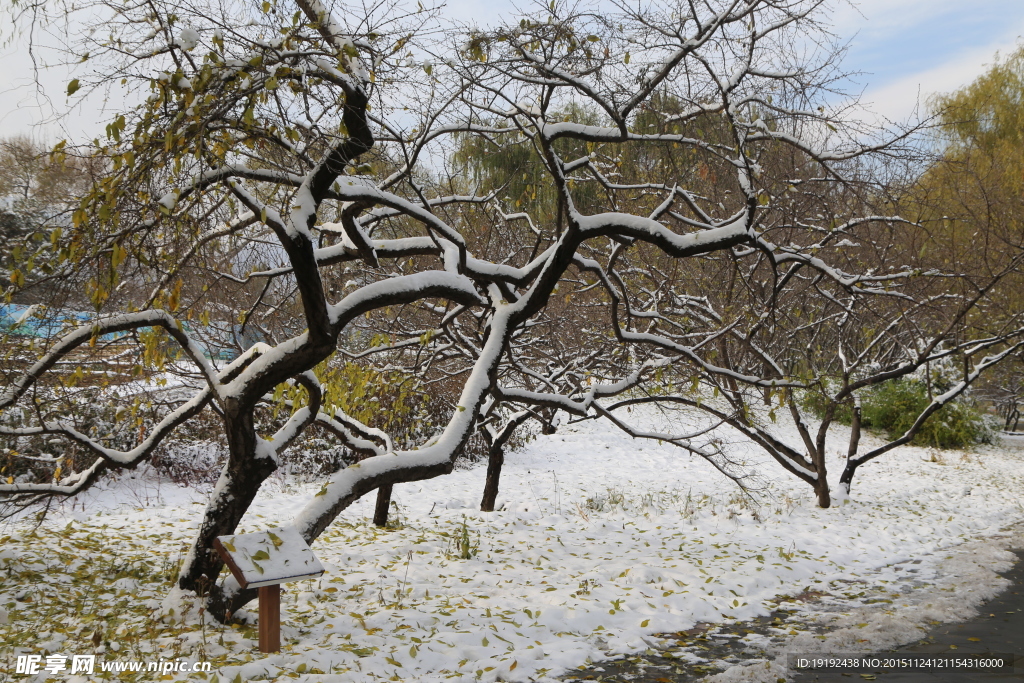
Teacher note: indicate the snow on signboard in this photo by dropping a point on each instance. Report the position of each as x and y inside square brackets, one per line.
[269, 557]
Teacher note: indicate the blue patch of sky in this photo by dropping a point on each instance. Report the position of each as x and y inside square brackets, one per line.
[894, 43]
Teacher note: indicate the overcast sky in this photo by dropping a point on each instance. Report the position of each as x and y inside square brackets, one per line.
[906, 49]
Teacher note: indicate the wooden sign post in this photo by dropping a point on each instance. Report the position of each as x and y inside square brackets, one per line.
[265, 560]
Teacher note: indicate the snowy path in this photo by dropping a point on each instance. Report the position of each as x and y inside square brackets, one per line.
[602, 542]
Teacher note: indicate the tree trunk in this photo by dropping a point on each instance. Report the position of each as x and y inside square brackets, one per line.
[380, 512]
[237, 487]
[495, 459]
[854, 433]
[821, 489]
[846, 478]
[1012, 418]
[821, 483]
[547, 426]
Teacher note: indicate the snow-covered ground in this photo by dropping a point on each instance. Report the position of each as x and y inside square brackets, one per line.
[602, 542]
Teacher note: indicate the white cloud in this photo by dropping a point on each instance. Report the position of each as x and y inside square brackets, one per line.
[885, 16]
[898, 99]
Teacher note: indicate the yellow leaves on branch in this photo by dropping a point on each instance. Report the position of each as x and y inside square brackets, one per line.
[174, 300]
[118, 255]
[97, 294]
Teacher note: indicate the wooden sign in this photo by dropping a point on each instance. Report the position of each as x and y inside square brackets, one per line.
[265, 560]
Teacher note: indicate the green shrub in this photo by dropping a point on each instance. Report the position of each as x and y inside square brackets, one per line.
[892, 408]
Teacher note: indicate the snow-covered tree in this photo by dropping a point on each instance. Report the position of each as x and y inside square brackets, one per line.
[295, 182]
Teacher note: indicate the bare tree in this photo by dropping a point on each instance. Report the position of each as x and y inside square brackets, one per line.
[298, 168]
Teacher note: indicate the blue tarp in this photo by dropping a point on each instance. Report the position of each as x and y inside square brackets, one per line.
[215, 340]
[45, 326]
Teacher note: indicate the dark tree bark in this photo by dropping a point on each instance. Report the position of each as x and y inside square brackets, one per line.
[822, 492]
[1012, 418]
[380, 512]
[495, 459]
[238, 485]
[846, 478]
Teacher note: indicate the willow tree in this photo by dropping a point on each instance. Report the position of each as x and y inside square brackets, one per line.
[972, 197]
[294, 165]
